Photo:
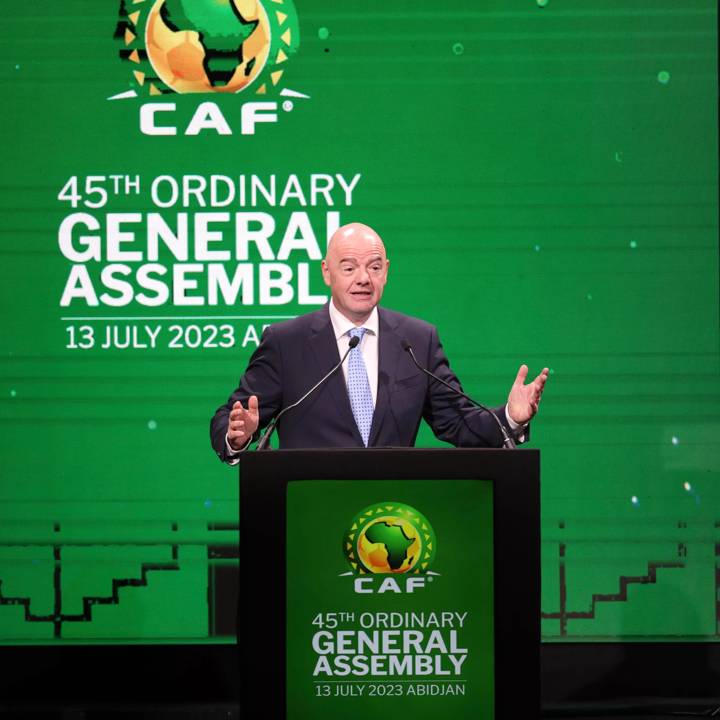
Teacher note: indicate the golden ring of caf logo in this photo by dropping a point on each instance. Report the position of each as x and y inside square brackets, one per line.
[208, 46]
[389, 538]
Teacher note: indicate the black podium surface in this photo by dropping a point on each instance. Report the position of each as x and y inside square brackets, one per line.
[266, 480]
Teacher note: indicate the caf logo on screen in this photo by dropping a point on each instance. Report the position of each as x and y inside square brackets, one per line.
[390, 547]
[208, 48]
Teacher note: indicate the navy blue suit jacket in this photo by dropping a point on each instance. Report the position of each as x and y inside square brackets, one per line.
[293, 355]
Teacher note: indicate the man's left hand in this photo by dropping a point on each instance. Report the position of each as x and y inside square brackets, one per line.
[524, 399]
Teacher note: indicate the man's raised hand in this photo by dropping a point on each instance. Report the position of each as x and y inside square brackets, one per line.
[524, 399]
[243, 423]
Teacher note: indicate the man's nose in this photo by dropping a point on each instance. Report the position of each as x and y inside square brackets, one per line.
[362, 277]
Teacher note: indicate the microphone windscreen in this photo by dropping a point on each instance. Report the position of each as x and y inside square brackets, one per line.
[354, 341]
[405, 345]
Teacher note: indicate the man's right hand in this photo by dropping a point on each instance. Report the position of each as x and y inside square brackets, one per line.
[243, 423]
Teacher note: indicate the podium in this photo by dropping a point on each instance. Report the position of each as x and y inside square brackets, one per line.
[396, 581]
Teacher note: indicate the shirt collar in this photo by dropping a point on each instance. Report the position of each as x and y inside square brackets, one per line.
[341, 325]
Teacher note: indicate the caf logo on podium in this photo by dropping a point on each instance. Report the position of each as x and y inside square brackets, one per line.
[390, 538]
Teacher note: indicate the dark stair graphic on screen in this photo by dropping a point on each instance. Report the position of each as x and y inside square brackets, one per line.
[114, 599]
[564, 615]
[221, 588]
[58, 617]
[26, 603]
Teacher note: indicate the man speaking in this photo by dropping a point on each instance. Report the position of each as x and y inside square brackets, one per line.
[379, 390]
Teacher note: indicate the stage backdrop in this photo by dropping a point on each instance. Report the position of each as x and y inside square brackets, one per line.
[544, 175]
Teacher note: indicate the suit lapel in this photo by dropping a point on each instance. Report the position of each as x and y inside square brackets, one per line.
[324, 348]
[389, 352]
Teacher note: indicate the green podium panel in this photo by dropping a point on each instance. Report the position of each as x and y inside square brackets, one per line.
[389, 599]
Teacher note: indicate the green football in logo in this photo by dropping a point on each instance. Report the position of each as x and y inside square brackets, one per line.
[390, 538]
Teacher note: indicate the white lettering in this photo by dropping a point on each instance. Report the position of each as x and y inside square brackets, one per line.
[208, 116]
[91, 242]
[251, 113]
[147, 119]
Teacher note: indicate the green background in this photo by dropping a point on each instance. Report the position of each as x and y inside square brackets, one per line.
[318, 517]
[544, 175]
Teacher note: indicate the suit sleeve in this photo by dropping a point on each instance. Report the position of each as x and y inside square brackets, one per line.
[263, 377]
[452, 418]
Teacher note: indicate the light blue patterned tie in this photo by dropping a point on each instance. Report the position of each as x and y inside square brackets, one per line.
[361, 400]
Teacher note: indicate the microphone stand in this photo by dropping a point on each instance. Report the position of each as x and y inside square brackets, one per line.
[508, 442]
[265, 439]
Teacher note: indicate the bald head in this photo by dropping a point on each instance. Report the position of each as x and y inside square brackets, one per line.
[355, 269]
[354, 235]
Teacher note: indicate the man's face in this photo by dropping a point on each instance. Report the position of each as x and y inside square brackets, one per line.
[355, 269]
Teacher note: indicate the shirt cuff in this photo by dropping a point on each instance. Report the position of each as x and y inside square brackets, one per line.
[517, 428]
[234, 453]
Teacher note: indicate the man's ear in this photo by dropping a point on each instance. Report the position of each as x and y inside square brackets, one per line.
[325, 272]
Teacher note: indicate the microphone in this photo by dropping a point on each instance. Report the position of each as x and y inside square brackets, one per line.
[508, 442]
[265, 439]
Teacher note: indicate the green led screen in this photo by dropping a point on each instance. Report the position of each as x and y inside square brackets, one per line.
[544, 175]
